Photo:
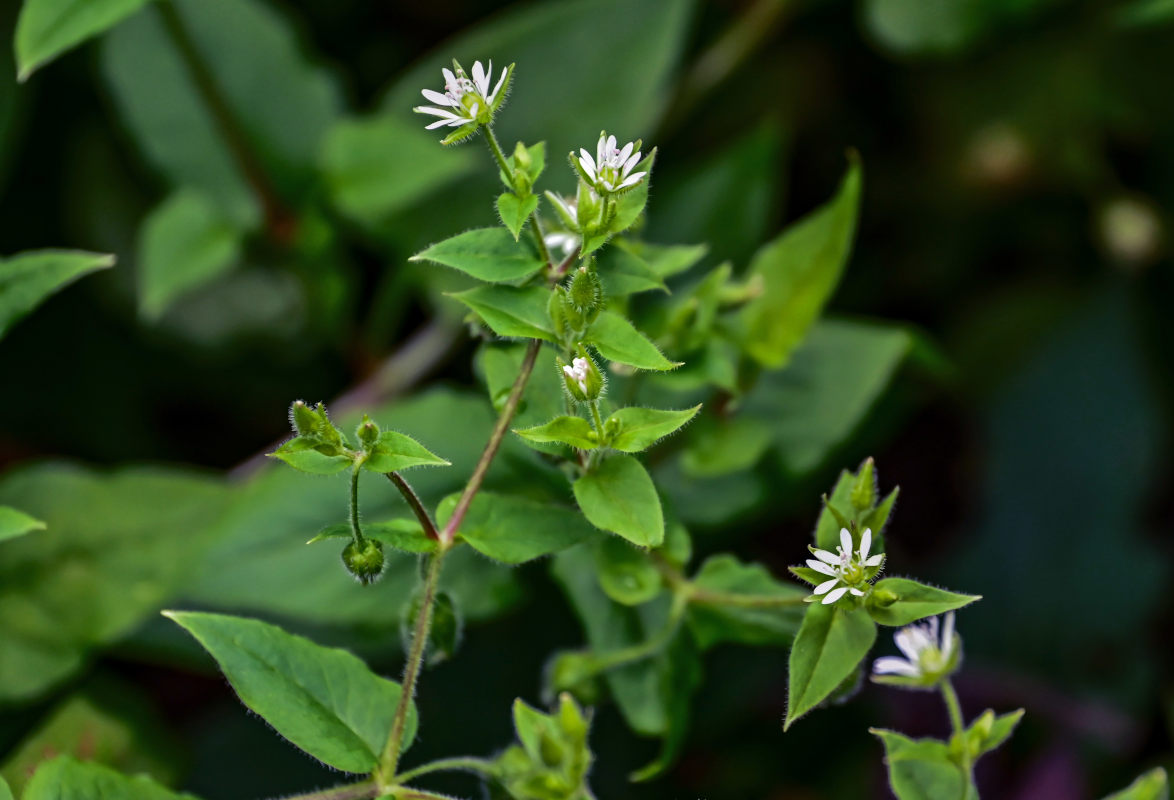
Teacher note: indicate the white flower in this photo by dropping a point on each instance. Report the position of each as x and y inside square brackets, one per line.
[846, 566]
[568, 210]
[927, 657]
[611, 169]
[464, 101]
[567, 241]
[578, 373]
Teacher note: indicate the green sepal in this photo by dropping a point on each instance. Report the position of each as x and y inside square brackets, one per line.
[394, 451]
[499, 98]
[461, 133]
[633, 429]
[574, 431]
[831, 643]
[629, 204]
[808, 574]
[986, 733]
[914, 601]
[313, 456]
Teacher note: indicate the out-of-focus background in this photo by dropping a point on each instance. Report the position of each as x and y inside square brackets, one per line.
[1017, 212]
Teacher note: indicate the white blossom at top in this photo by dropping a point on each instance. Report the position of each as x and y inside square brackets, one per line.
[847, 568]
[464, 101]
[928, 656]
[577, 372]
[611, 168]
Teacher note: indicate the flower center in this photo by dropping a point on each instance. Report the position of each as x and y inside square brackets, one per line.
[851, 568]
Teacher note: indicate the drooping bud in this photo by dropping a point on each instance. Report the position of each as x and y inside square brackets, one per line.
[367, 433]
[364, 560]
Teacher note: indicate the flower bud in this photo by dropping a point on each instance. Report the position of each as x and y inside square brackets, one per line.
[883, 598]
[573, 673]
[364, 560]
[303, 418]
[522, 157]
[554, 307]
[588, 208]
[582, 378]
[585, 292]
[367, 433]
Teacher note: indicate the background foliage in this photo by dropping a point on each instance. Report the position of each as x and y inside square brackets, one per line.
[1021, 402]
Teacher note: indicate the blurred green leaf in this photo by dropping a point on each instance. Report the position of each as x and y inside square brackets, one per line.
[114, 549]
[625, 573]
[27, 279]
[830, 644]
[515, 530]
[15, 523]
[47, 28]
[680, 676]
[916, 601]
[911, 27]
[721, 446]
[487, 254]
[713, 621]
[989, 731]
[624, 273]
[5, 792]
[921, 769]
[635, 429]
[617, 495]
[509, 311]
[1141, 13]
[617, 340]
[183, 244]
[667, 260]
[1153, 785]
[323, 700]
[799, 271]
[64, 777]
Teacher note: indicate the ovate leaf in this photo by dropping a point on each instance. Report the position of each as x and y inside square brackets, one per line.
[921, 769]
[47, 28]
[915, 601]
[27, 279]
[305, 454]
[394, 451]
[509, 311]
[831, 643]
[617, 340]
[323, 700]
[183, 244]
[514, 211]
[618, 496]
[635, 429]
[575, 431]
[487, 254]
[626, 574]
[516, 529]
[64, 777]
[624, 273]
[799, 270]
[15, 523]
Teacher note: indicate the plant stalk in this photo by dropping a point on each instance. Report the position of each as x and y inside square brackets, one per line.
[954, 708]
[351, 791]
[415, 504]
[481, 766]
[356, 528]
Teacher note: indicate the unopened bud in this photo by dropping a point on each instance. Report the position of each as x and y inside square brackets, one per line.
[864, 490]
[883, 598]
[585, 292]
[582, 378]
[522, 157]
[303, 418]
[364, 560]
[367, 433]
[588, 208]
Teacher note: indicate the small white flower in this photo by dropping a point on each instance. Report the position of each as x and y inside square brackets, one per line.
[578, 373]
[611, 169]
[927, 656]
[464, 101]
[846, 566]
[565, 240]
[568, 210]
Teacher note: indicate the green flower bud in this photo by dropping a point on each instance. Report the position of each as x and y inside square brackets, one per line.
[303, 419]
[584, 291]
[571, 675]
[588, 208]
[882, 598]
[364, 560]
[554, 307]
[582, 378]
[522, 157]
[367, 433]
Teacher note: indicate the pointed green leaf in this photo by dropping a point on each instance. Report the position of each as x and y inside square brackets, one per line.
[509, 311]
[724, 445]
[575, 431]
[1153, 785]
[183, 244]
[743, 603]
[27, 279]
[514, 211]
[15, 523]
[64, 777]
[915, 601]
[617, 340]
[395, 451]
[799, 271]
[831, 643]
[47, 28]
[989, 731]
[515, 530]
[921, 769]
[624, 273]
[323, 700]
[5, 792]
[626, 574]
[402, 534]
[618, 496]
[668, 260]
[630, 204]
[487, 254]
[634, 429]
[304, 453]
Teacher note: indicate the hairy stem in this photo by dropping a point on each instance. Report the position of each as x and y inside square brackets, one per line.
[415, 504]
[954, 708]
[495, 439]
[356, 528]
[391, 751]
[351, 791]
[706, 597]
[481, 766]
[596, 419]
[536, 224]
[280, 222]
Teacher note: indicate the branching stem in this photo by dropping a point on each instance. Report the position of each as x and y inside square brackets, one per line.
[481, 766]
[415, 504]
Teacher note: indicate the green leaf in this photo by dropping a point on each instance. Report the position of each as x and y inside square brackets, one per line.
[515, 530]
[284, 105]
[514, 211]
[27, 279]
[116, 546]
[625, 573]
[630, 204]
[402, 534]
[5, 792]
[575, 431]
[64, 777]
[921, 769]
[667, 260]
[377, 166]
[617, 340]
[323, 700]
[304, 453]
[624, 273]
[1139, 13]
[915, 601]
[989, 731]
[15, 523]
[618, 496]
[732, 603]
[183, 244]
[395, 451]
[799, 270]
[47, 28]
[726, 445]
[509, 311]
[487, 254]
[831, 642]
[634, 429]
[1153, 785]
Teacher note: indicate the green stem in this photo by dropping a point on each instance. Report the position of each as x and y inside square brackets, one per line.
[351, 791]
[356, 528]
[706, 597]
[536, 224]
[954, 708]
[649, 647]
[491, 137]
[481, 766]
[408, 793]
[416, 504]
[596, 419]
[385, 773]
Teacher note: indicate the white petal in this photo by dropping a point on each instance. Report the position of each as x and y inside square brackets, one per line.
[865, 543]
[500, 81]
[948, 635]
[826, 586]
[436, 112]
[611, 144]
[845, 541]
[891, 665]
[449, 78]
[474, 109]
[633, 180]
[437, 97]
[875, 560]
[479, 79]
[834, 595]
[907, 644]
[458, 122]
[437, 124]
[626, 151]
[826, 556]
[631, 162]
[586, 160]
[600, 148]
[821, 567]
[856, 592]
